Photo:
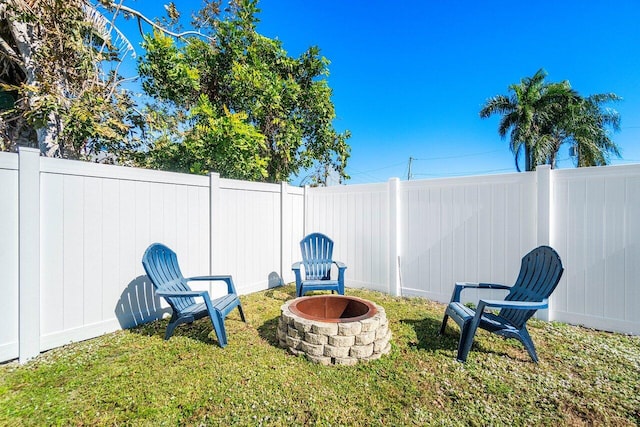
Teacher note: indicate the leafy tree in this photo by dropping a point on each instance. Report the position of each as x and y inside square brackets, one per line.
[540, 117]
[253, 111]
[60, 87]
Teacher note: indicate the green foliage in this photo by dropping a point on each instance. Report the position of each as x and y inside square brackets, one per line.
[588, 133]
[540, 117]
[226, 144]
[249, 95]
[168, 74]
[135, 377]
[64, 88]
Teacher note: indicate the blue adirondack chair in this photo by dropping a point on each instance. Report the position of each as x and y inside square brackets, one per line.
[540, 272]
[161, 265]
[317, 254]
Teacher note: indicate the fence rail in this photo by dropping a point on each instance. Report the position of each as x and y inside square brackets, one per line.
[73, 234]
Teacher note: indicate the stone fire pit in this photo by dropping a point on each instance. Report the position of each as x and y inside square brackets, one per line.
[334, 329]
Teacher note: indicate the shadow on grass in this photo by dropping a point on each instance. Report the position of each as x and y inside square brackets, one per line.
[278, 295]
[200, 330]
[429, 339]
[140, 311]
[428, 335]
[267, 331]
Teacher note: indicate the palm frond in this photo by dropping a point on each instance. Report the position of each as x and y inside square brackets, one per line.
[106, 31]
[497, 105]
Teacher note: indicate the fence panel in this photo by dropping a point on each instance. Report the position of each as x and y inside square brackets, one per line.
[597, 233]
[292, 229]
[9, 255]
[96, 222]
[465, 229]
[357, 219]
[247, 241]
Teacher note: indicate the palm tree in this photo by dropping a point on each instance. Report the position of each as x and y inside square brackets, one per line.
[526, 114]
[592, 145]
[542, 116]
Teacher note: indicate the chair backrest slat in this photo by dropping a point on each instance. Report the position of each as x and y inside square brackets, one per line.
[540, 273]
[317, 253]
[161, 265]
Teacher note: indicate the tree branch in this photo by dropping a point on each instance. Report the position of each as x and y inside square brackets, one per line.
[140, 17]
[10, 53]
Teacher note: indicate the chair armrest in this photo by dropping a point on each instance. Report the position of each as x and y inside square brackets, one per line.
[295, 267]
[492, 286]
[210, 278]
[340, 265]
[517, 305]
[181, 293]
[227, 279]
[341, 268]
[460, 286]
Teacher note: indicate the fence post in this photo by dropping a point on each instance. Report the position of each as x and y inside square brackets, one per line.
[214, 221]
[29, 253]
[543, 173]
[544, 215]
[305, 209]
[285, 229]
[394, 237]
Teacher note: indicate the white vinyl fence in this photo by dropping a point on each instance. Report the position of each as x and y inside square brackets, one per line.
[72, 235]
[9, 257]
[596, 230]
[419, 237]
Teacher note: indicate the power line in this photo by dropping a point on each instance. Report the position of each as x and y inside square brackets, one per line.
[379, 169]
[457, 156]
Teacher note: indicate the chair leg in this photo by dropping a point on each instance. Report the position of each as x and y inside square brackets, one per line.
[467, 333]
[218, 325]
[444, 324]
[526, 340]
[241, 313]
[173, 322]
[463, 350]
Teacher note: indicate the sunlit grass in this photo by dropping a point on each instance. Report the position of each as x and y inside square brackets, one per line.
[135, 377]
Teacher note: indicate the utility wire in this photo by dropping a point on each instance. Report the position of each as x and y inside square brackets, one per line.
[382, 168]
[367, 173]
[457, 156]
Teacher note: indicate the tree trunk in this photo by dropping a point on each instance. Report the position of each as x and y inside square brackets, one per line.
[527, 158]
[48, 137]
[27, 42]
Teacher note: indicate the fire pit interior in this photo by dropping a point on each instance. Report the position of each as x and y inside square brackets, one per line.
[333, 308]
[334, 329]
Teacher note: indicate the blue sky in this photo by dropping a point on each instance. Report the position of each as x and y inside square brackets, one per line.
[409, 78]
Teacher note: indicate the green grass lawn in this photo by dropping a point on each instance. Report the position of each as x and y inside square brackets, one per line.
[134, 377]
